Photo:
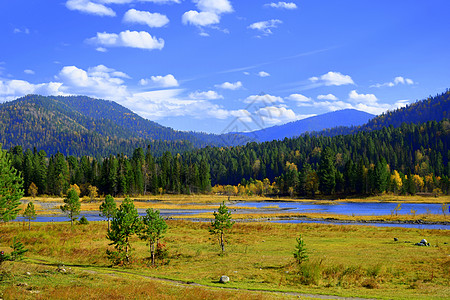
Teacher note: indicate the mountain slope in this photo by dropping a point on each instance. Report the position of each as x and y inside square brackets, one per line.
[431, 109]
[79, 125]
[346, 117]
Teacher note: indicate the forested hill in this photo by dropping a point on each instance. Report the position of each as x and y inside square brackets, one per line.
[431, 109]
[79, 125]
[345, 117]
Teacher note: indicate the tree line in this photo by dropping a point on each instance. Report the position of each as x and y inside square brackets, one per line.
[416, 155]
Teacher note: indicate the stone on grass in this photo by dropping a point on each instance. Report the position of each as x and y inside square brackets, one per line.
[395, 239]
[224, 279]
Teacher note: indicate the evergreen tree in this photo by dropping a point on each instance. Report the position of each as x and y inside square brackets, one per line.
[153, 229]
[72, 205]
[222, 222]
[327, 172]
[11, 190]
[108, 208]
[124, 224]
[29, 213]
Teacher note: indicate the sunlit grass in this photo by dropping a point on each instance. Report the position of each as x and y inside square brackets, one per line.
[344, 260]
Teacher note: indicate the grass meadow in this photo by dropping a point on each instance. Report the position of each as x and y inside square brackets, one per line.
[344, 260]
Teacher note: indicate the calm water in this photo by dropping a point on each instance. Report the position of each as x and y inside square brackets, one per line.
[347, 208]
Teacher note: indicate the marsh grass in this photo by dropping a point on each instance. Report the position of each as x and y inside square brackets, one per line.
[344, 260]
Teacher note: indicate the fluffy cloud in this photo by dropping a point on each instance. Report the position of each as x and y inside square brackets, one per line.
[12, 89]
[263, 74]
[99, 82]
[265, 99]
[362, 98]
[209, 12]
[327, 97]
[230, 86]
[203, 18]
[28, 71]
[265, 26]
[332, 78]
[397, 80]
[209, 95]
[299, 98]
[282, 5]
[160, 81]
[146, 18]
[90, 7]
[132, 39]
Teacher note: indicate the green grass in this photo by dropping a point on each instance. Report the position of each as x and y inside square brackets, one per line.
[346, 260]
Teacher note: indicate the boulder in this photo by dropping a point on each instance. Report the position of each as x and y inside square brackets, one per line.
[395, 239]
[224, 279]
[424, 241]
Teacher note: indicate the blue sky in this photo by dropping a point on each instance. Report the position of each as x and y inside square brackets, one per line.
[200, 64]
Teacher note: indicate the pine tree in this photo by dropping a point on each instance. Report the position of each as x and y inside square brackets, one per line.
[153, 229]
[108, 208]
[72, 206]
[300, 253]
[10, 188]
[124, 224]
[327, 172]
[222, 222]
[29, 213]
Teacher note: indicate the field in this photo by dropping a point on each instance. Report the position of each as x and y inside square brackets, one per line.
[346, 261]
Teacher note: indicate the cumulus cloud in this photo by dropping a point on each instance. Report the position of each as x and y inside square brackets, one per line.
[230, 86]
[160, 81]
[28, 71]
[209, 95]
[99, 81]
[12, 89]
[132, 39]
[145, 18]
[265, 26]
[203, 18]
[397, 80]
[263, 74]
[265, 99]
[362, 98]
[282, 5]
[299, 98]
[327, 97]
[90, 7]
[209, 12]
[332, 78]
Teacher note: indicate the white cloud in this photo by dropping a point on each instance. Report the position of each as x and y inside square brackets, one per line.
[132, 39]
[265, 26]
[266, 99]
[397, 80]
[99, 82]
[12, 89]
[362, 98]
[273, 115]
[29, 72]
[209, 95]
[282, 5]
[230, 86]
[131, 1]
[327, 97]
[90, 7]
[263, 74]
[160, 81]
[298, 98]
[332, 78]
[101, 49]
[18, 30]
[146, 18]
[215, 6]
[203, 18]
[209, 12]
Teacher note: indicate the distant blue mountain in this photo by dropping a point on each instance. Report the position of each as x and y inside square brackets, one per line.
[345, 117]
